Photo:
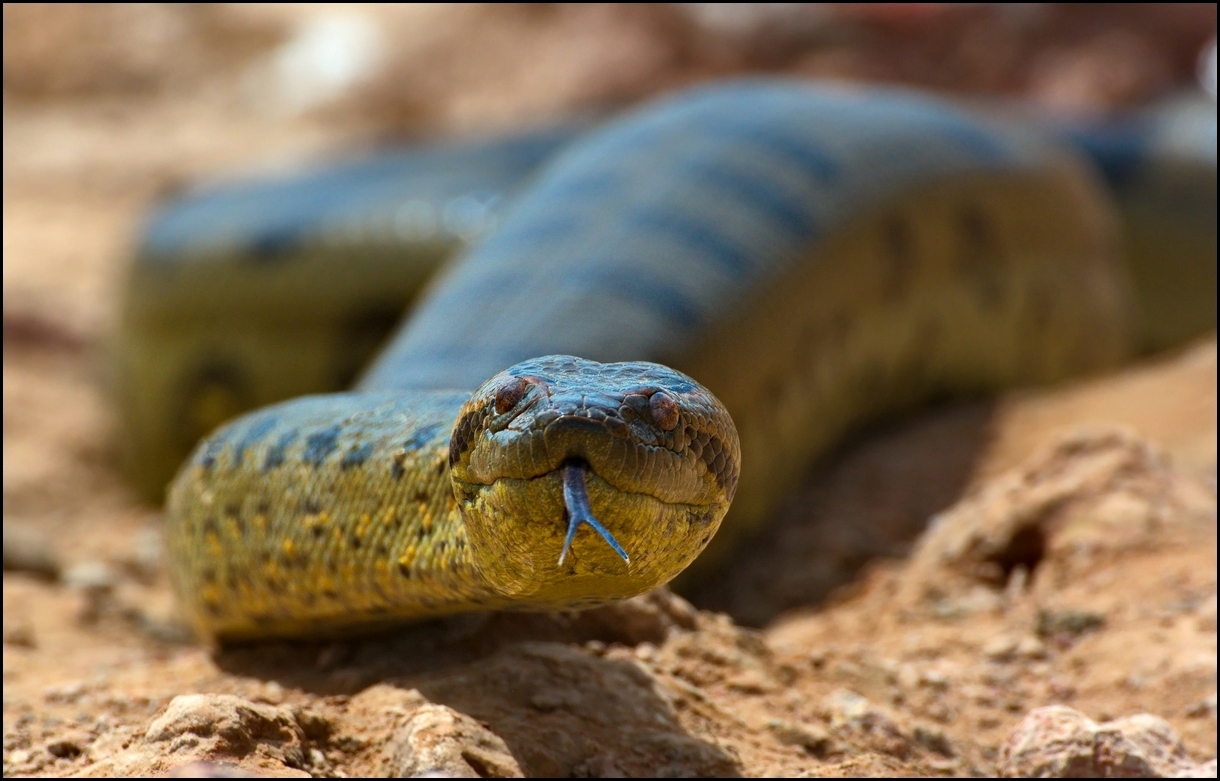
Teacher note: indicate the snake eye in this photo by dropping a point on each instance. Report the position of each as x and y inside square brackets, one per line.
[509, 394]
[664, 410]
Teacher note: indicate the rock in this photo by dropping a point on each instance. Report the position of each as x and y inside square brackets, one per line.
[438, 741]
[648, 618]
[1091, 490]
[1059, 742]
[28, 550]
[209, 726]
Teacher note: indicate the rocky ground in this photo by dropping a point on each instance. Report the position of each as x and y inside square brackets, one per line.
[1058, 617]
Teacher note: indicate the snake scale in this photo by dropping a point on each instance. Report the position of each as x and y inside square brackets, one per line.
[805, 258]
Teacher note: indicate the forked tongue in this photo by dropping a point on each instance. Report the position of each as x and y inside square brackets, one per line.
[576, 499]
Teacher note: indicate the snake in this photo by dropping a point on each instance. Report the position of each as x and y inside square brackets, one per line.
[673, 316]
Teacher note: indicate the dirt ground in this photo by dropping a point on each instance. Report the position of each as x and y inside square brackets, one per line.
[1072, 560]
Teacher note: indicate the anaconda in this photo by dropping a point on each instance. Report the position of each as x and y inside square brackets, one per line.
[805, 258]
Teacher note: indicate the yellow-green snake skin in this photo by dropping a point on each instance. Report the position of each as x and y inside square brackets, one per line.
[806, 258]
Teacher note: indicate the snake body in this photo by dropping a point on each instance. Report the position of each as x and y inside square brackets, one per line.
[805, 258]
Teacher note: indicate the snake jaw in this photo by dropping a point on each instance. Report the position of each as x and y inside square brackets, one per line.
[576, 499]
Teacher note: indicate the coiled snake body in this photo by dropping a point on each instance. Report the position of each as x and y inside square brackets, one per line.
[808, 258]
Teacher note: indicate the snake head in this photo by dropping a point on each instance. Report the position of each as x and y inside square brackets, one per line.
[619, 472]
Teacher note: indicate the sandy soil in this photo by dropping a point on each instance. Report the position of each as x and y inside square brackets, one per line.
[846, 640]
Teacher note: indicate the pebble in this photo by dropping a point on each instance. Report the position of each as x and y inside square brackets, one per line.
[1001, 649]
[934, 740]
[814, 738]
[1059, 742]
[437, 741]
[1068, 622]
[91, 576]
[64, 693]
[1204, 707]
[20, 633]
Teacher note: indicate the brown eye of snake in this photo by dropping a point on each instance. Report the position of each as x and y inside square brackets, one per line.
[509, 394]
[664, 410]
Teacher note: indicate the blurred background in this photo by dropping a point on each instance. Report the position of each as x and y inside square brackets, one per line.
[111, 108]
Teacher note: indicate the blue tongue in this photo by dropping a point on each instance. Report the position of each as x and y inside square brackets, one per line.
[576, 498]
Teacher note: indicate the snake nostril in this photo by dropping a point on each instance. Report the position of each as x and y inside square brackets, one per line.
[664, 410]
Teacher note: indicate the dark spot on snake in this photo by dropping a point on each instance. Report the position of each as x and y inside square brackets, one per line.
[694, 234]
[898, 252]
[382, 550]
[397, 470]
[317, 531]
[309, 599]
[330, 593]
[265, 557]
[208, 575]
[212, 607]
[354, 541]
[209, 526]
[440, 468]
[978, 240]
[310, 506]
[276, 453]
[356, 456]
[271, 245]
[464, 432]
[420, 496]
[319, 445]
[211, 450]
[264, 506]
[404, 570]
[257, 430]
[421, 437]
[233, 510]
[980, 256]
